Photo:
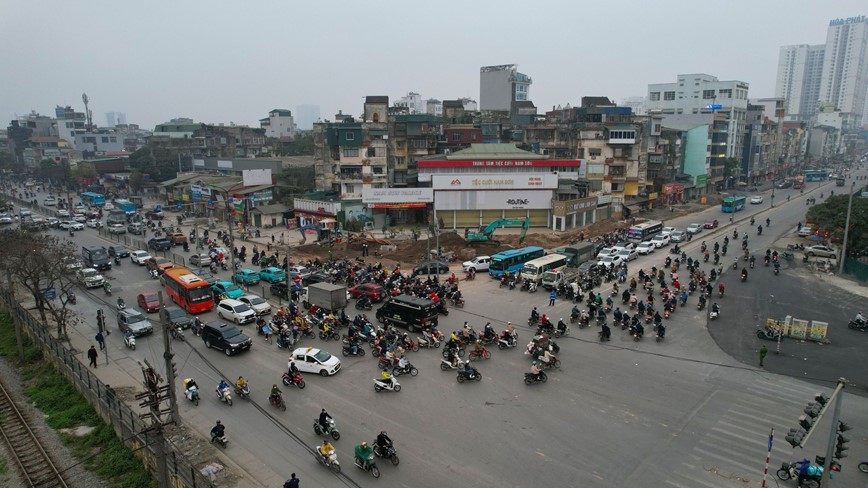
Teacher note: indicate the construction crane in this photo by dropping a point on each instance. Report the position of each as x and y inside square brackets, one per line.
[486, 233]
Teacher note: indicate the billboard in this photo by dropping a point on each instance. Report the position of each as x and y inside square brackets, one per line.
[255, 177]
[397, 195]
[520, 181]
[493, 200]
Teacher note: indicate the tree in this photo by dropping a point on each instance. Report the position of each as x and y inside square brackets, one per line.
[136, 178]
[832, 216]
[84, 174]
[731, 167]
[302, 145]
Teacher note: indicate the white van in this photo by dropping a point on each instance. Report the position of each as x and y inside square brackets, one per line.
[236, 311]
[479, 263]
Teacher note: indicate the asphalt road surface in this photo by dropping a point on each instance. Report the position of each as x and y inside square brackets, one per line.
[679, 413]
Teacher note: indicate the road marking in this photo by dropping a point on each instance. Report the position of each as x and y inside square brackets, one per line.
[729, 461]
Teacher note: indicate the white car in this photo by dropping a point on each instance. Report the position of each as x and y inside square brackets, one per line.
[645, 247]
[117, 229]
[63, 213]
[257, 303]
[678, 236]
[139, 257]
[72, 262]
[49, 201]
[660, 241]
[92, 223]
[667, 231]
[80, 218]
[238, 311]
[624, 245]
[628, 254]
[71, 224]
[108, 206]
[756, 199]
[79, 207]
[479, 263]
[694, 228]
[609, 261]
[606, 251]
[313, 360]
[90, 277]
[299, 271]
[5, 219]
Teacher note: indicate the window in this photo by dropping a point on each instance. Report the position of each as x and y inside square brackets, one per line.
[350, 136]
[104, 140]
[351, 153]
[707, 94]
[670, 95]
[594, 151]
[655, 96]
[351, 188]
[399, 160]
[456, 137]
[725, 93]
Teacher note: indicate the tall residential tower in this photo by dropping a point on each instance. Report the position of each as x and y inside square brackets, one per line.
[845, 68]
[800, 69]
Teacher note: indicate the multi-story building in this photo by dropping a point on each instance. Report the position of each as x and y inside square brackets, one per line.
[704, 141]
[845, 68]
[695, 94]
[279, 124]
[411, 137]
[612, 155]
[758, 159]
[99, 142]
[434, 107]
[183, 136]
[412, 102]
[501, 86]
[70, 124]
[800, 70]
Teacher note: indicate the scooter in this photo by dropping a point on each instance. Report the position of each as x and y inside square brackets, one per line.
[225, 396]
[435, 342]
[530, 378]
[277, 402]
[192, 394]
[177, 333]
[222, 441]
[330, 461]
[502, 343]
[130, 341]
[117, 260]
[121, 305]
[791, 471]
[858, 325]
[348, 351]
[713, 315]
[472, 376]
[368, 465]
[387, 452]
[330, 429]
[445, 365]
[768, 334]
[296, 380]
[391, 385]
[408, 369]
[242, 392]
[70, 295]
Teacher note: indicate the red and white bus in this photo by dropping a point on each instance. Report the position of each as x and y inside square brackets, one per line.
[190, 292]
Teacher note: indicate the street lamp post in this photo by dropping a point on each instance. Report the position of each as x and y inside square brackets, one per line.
[846, 231]
[773, 196]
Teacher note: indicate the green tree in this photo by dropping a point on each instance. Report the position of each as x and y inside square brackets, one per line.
[731, 167]
[302, 145]
[832, 216]
[136, 178]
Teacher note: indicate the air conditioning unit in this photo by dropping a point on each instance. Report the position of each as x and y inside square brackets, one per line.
[593, 157]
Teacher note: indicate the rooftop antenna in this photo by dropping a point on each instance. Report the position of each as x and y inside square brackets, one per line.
[87, 112]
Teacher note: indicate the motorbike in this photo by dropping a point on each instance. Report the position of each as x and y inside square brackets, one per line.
[561, 333]
[330, 429]
[284, 342]
[863, 466]
[777, 270]
[445, 365]
[408, 369]
[796, 247]
[484, 354]
[242, 392]
[330, 461]
[117, 260]
[459, 351]
[791, 471]
[434, 342]
[391, 385]
[858, 325]
[225, 397]
[177, 333]
[70, 295]
[222, 441]
[474, 375]
[387, 452]
[332, 334]
[108, 289]
[130, 341]
[502, 343]
[713, 315]
[768, 334]
[348, 351]
[458, 303]
[367, 305]
[192, 394]
[660, 335]
[720, 292]
[121, 305]
[744, 277]
[368, 465]
[530, 378]
[296, 380]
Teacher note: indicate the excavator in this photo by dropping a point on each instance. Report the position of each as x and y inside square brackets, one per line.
[486, 233]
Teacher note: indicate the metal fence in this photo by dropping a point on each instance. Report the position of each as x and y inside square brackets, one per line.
[132, 430]
[856, 268]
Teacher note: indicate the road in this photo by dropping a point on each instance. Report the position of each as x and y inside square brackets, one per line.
[679, 413]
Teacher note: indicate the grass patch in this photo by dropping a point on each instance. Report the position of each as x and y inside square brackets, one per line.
[4, 468]
[104, 454]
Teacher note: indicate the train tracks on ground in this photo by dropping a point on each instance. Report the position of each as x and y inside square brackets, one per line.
[33, 462]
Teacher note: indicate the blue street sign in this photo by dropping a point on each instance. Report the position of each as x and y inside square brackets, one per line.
[178, 205]
[714, 106]
[158, 208]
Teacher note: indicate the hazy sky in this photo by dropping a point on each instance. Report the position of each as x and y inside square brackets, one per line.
[221, 61]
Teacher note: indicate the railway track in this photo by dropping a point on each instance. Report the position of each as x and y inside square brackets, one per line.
[32, 460]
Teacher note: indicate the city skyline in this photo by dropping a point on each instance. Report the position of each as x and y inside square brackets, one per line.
[259, 75]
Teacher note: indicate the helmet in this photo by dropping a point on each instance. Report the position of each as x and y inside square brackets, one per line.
[364, 444]
[562, 319]
[218, 422]
[510, 323]
[534, 363]
[383, 432]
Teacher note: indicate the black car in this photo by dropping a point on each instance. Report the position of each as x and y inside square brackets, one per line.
[159, 244]
[431, 267]
[178, 317]
[590, 268]
[279, 290]
[154, 215]
[119, 251]
[410, 312]
[225, 337]
[318, 278]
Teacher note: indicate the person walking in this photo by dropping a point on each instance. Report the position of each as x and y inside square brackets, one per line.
[763, 351]
[292, 482]
[100, 340]
[92, 355]
[552, 297]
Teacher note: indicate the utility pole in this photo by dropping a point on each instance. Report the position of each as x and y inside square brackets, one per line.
[168, 355]
[843, 256]
[153, 395]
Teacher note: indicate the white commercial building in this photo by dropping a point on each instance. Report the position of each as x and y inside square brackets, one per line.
[702, 93]
[845, 68]
[501, 86]
[800, 70]
[279, 124]
[413, 102]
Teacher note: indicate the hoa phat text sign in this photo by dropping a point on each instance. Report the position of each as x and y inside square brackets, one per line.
[527, 181]
[397, 195]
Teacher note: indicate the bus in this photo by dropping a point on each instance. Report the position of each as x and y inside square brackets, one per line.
[644, 231]
[816, 175]
[733, 204]
[534, 270]
[92, 199]
[125, 205]
[190, 292]
[116, 216]
[511, 261]
[798, 182]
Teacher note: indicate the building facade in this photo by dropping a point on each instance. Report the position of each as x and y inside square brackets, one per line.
[279, 124]
[501, 86]
[845, 68]
[800, 71]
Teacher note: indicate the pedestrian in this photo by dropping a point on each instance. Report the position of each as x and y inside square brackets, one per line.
[763, 351]
[292, 482]
[272, 240]
[92, 355]
[552, 298]
[100, 340]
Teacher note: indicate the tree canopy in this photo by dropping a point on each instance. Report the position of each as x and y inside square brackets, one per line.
[832, 216]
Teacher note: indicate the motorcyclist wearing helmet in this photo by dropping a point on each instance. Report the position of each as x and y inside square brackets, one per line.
[222, 388]
[291, 368]
[860, 319]
[325, 449]
[715, 308]
[562, 327]
[275, 394]
[363, 453]
[468, 370]
[383, 440]
[217, 431]
[324, 417]
[534, 315]
[535, 371]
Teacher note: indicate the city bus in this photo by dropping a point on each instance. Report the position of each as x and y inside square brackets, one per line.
[816, 175]
[511, 261]
[733, 204]
[127, 206]
[534, 270]
[644, 231]
[190, 292]
[92, 199]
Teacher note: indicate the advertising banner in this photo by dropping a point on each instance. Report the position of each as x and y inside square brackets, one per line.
[799, 329]
[493, 200]
[818, 330]
[397, 195]
[520, 181]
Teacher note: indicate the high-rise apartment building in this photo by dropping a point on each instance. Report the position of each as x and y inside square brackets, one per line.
[845, 68]
[113, 119]
[501, 86]
[800, 70]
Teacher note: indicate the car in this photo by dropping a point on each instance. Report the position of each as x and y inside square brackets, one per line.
[667, 230]
[756, 199]
[136, 228]
[23, 212]
[80, 218]
[72, 262]
[140, 257]
[49, 201]
[5, 219]
[279, 290]
[606, 251]
[108, 206]
[627, 254]
[430, 267]
[313, 360]
[75, 225]
[225, 289]
[678, 236]
[821, 251]
[225, 337]
[159, 264]
[159, 244]
[200, 259]
[372, 290]
[90, 277]
[117, 229]
[711, 224]
[117, 250]
[236, 311]
[609, 261]
[148, 301]
[299, 271]
[63, 213]
[206, 275]
[694, 228]
[177, 317]
[272, 274]
[319, 277]
[80, 207]
[93, 223]
[154, 215]
[53, 222]
[479, 263]
[660, 241]
[645, 247]
[246, 276]
[806, 232]
[589, 268]
[177, 238]
[132, 321]
[785, 184]
[257, 303]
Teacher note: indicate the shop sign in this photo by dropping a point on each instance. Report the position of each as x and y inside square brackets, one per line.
[489, 181]
[262, 196]
[493, 200]
[397, 195]
[569, 207]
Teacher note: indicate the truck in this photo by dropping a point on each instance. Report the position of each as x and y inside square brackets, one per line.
[555, 277]
[96, 257]
[327, 296]
[578, 253]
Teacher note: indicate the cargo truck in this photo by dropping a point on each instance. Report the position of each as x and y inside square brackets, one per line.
[327, 296]
[578, 253]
